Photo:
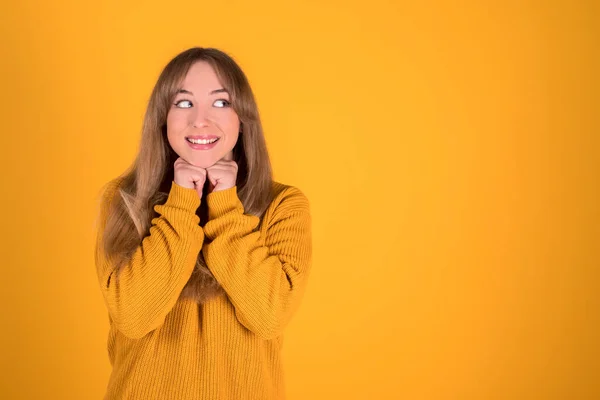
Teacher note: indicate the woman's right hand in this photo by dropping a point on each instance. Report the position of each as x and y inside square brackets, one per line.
[189, 176]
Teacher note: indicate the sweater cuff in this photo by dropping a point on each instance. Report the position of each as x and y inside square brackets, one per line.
[223, 201]
[182, 197]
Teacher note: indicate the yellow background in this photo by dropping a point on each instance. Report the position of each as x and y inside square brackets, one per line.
[450, 151]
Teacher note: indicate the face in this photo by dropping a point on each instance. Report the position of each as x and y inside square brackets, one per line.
[201, 112]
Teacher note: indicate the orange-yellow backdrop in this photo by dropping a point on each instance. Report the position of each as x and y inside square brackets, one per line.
[449, 149]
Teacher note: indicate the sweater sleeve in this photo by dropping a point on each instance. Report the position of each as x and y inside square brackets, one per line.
[264, 277]
[145, 290]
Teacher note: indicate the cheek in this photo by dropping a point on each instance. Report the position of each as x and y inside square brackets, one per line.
[230, 122]
[175, 122]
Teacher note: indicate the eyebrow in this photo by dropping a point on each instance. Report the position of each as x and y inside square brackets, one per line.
[222, 90]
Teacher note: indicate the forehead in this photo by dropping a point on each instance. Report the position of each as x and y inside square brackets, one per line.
[201, 75]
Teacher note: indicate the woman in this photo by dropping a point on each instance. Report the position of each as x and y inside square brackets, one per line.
[202, 258]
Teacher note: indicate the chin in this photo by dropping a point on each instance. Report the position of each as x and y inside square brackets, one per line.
[201, 163]
[204, 161]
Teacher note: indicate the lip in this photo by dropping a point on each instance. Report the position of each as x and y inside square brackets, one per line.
[202, 146]
[205, 137]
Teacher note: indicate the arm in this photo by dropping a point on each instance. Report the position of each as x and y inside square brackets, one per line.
[145, 289]
[264, 277]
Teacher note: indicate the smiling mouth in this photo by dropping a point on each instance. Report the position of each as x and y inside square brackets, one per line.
[202, 141]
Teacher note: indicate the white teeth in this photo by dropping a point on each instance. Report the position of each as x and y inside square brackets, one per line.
[202, 141]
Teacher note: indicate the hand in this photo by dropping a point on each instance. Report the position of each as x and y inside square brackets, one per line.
[189, 176]
[223, 174]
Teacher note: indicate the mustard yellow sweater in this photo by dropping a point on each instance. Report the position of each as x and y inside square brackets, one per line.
[163, 347]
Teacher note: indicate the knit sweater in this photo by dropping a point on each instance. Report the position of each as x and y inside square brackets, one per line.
[164, 347]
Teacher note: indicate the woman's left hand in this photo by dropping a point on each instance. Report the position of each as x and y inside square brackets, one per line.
[222, 175]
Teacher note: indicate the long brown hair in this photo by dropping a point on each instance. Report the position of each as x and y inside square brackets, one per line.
[147, 181]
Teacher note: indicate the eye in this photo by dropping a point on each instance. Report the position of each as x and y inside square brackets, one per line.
[221, 103]
[183, 104]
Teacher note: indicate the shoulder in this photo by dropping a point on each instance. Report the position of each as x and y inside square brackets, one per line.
[288, 198]
[109, 190]
[289, 211]
[105, 198]
[112, 186]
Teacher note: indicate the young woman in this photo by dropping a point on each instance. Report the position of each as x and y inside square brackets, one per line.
[201, 257]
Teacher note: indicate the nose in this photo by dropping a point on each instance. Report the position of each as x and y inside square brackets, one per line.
[199, 119]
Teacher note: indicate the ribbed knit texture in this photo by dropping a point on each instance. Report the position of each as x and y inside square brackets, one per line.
[163, 347]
